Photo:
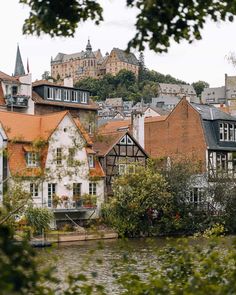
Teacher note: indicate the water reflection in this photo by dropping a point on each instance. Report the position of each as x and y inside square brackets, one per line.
[84, 257]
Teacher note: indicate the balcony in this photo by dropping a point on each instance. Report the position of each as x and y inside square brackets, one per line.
[17, 101]
[74, 206]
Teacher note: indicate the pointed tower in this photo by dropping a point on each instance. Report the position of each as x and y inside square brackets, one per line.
[88, 47]
[19, 67]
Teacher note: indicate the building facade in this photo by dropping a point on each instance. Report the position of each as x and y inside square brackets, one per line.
[118, 153]
[50, 97]
[53, 158]
[91, 63]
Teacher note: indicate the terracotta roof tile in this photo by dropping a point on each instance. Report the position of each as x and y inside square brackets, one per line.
[97, 171]
[16, 153]
[27, 128]
[104, 142]
[155, 119]
[83, 131]
[114, 126]
[6, 77]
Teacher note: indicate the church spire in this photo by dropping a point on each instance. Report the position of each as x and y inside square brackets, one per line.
[19, 67]
[88, 47]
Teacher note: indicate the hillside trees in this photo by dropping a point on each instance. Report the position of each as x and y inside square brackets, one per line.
[126, 85]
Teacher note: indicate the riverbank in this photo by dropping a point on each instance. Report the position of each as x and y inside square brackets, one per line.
[59, 237]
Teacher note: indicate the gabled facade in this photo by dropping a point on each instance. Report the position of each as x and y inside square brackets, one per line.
[119, 153]
[53, 158]
[195, 131]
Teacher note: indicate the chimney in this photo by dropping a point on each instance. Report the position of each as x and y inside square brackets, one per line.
[68, 82]
[137, 123]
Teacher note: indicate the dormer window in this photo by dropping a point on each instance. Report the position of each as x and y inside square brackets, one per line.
[32, 159]
[84, 98]
[227, 132]
[49, 93]
[91, 161]
[58, 94]
[74, 96]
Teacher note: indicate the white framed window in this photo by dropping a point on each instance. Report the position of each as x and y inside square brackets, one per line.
[66, 96]
[226, 131]
[84, 98]
[58, 94]
[123, 140]
[32, 159]
[122, 169]
[196, 196]
[74, 97]
[93, 188]
[129, 140]
[49, 93]
[221, 132]
[51, 192]
[59, 156]
[71, 156]
[34, 190]
[76, 190]
[91, 161]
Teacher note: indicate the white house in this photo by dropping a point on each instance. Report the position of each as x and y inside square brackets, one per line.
[53, 157]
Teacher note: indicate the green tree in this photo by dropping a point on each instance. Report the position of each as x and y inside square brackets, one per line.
[199, 86]
[39, 218]
[157, 22]
[135, 196]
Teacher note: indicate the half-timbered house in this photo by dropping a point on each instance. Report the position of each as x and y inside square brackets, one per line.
[118, 153]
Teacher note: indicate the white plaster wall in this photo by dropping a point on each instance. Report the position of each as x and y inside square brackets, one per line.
[67, 136]
[138, 128]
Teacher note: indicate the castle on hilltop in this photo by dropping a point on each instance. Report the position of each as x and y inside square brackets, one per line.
[93, 64]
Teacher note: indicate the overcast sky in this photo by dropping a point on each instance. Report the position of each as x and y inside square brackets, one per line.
[203, 60]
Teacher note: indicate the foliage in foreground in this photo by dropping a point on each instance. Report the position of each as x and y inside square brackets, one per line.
[185, 269]
[157, 22]
[182, 269]
[39, 218]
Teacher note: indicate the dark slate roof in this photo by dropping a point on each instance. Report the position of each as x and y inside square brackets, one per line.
[211, 116]
[123, 56]
[209, 112]
[211, 131]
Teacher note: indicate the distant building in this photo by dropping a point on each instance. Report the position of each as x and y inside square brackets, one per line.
[91, 63]
[177, 90]
[214, 95]
[225, 95]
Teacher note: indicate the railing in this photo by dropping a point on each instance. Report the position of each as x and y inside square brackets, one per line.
[74, 206]
[19, 100]
[206, 207]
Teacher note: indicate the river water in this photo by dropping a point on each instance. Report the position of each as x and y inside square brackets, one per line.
[84, 257]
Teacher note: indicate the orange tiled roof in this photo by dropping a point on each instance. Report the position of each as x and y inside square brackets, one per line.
[27, 128]
[155, 119]
[113, 126]
[17, 161]
[83, 131]
[104, 142]
[6, 77]
[97, 171]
